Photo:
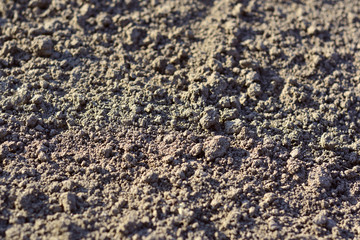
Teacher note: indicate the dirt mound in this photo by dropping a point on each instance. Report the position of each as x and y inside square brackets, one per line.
[190, 119]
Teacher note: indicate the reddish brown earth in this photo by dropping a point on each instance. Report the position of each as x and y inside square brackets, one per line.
[192, 119]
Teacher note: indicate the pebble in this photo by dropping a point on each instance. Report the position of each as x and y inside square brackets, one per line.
[129, 223]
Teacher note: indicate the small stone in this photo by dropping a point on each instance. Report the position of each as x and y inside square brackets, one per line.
[104, 20]
[267, 200]
[26, 198]
[13, 232]
[135, 35]
[129, 223]
[43, 4]
[252, 211]
[85, 10]
[352, 17]
[168, 159]
[8, 48]
[269, 197]
[68, 185]
[252, 77]
[128, 157]
[275, 51]
[39, 128]
[169, 138]
[216, 147]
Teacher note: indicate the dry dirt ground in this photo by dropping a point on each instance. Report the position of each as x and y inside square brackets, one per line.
[191, 119]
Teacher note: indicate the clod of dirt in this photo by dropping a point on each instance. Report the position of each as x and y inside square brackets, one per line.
[322, 220]
[160, 64]
[68, 202]
[234, 126]
[3, 133]
[43, 157]
[150, 177]
[196, 150]
[254, 90]
[117, 117]
[319, 178]
[32, 121]
[135, 35]
[42, 46]
[216, 147]
[273, 225]
[295, 153]
[43, 4]
[210, 118]
[327, 141]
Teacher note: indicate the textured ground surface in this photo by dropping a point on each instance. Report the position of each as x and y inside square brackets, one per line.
[191, 119]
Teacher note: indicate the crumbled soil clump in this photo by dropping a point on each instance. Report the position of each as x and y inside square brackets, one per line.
[188, 119]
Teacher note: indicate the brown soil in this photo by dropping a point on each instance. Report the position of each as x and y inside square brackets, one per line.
[192, 119]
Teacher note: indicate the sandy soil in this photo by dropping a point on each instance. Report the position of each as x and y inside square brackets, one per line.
[191, 119]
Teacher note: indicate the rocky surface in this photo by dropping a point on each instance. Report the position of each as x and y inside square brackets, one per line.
[192, 119]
